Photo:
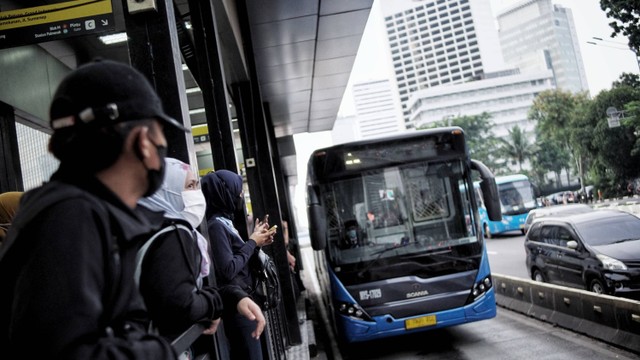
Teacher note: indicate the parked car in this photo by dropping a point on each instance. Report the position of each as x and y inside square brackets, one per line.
[597, 251]
[554, 210]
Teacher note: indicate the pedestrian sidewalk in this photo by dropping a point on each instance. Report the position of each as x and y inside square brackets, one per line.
[316, 342]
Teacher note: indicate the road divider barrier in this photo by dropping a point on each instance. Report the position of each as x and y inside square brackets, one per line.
[607, 318]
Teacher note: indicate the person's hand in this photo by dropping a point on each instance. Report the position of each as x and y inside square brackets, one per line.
[249, 309]
[292, 260]
[212, 328]
[261, 234]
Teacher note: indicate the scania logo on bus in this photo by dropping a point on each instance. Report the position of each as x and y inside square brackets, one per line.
[416, 292]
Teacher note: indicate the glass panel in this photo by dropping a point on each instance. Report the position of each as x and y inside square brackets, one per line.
[398, 211]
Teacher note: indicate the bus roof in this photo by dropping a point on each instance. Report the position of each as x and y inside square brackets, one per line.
[510, 178]
[504, 179]
[404, 135]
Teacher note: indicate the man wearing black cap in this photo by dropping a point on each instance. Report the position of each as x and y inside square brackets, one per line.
[66, 268]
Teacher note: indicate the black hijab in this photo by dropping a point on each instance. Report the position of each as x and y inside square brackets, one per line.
[221, 189]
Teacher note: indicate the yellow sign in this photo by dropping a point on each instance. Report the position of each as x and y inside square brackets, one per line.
[58, 21]
[45, 14]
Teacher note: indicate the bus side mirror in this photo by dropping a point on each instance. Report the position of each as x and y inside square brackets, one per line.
[491, 199]
[317, 220]
[489, 190]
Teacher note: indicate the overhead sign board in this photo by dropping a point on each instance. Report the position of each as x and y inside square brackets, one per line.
[57, 21]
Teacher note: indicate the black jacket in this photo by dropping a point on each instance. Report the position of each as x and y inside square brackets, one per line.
[168, 283]
[231, 254]
[66, 277]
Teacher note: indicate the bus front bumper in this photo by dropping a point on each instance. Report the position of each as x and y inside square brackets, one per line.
[355, 330]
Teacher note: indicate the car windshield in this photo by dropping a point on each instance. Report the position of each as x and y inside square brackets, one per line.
[610, 230]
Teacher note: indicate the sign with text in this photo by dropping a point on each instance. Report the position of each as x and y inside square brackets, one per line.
[57, 21]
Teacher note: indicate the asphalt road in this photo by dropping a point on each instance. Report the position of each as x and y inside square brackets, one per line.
[506, 254]
[509, 335]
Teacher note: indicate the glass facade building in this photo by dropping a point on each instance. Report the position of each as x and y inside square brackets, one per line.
[537, 35]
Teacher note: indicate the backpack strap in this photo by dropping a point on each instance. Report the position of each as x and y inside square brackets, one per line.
[143, 250]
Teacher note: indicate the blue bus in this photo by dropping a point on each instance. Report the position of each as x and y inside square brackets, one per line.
[517, 198]
[399, 247]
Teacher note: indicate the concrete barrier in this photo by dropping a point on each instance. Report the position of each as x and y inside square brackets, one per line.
[610, 319]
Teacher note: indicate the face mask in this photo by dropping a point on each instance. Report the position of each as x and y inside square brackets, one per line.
[194, 206]
[156, 176]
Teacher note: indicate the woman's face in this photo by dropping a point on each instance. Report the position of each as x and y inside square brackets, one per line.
[191, 182]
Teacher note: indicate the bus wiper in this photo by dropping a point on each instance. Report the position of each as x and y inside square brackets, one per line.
[454, 258]
[380, 253]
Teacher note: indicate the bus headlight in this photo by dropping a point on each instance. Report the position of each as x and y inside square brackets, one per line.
[353, 311]
[480, 288]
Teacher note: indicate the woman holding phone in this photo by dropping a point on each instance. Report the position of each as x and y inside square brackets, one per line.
[223, 194]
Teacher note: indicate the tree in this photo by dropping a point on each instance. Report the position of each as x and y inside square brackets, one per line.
[516, 146]
[481, 141]
[626, 16]
[554, 112]
[549, 156]
[615, 152]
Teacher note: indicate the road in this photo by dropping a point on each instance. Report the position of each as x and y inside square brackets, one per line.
[506, 254]
[508, 336]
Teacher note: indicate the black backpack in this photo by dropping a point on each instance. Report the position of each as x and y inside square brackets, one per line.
[265, 290]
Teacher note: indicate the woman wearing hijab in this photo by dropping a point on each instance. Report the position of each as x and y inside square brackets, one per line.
[223, 193]
[8, 207]
[173, 265]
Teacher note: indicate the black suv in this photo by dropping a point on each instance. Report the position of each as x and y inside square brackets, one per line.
[598, 251]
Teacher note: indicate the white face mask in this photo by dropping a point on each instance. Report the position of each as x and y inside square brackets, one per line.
[194, 206]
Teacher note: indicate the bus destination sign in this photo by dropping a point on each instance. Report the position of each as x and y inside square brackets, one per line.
[63, 19]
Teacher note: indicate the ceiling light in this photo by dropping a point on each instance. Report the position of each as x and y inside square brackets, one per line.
[193, 90]
[113, 38]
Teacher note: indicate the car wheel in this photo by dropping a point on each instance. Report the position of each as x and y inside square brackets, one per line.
[537, 276]
[596, 286]
[487, 233]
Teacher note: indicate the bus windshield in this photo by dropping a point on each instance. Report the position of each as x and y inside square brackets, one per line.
[516, 197]
[400, 212]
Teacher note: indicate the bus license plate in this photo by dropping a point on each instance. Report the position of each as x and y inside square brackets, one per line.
[422, 321]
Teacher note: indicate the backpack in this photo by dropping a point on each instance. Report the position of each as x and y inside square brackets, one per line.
[265, 290]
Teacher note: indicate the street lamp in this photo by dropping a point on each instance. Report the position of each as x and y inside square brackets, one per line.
[614, 47]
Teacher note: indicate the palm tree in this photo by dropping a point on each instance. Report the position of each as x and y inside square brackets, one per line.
[516, 146]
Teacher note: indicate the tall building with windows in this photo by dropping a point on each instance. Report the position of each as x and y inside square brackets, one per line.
[537, 35]
[438, 42]
[377, 109]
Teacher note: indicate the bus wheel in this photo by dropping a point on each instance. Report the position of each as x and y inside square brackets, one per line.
[487, 232]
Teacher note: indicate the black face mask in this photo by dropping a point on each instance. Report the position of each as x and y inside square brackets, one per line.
[155, 177]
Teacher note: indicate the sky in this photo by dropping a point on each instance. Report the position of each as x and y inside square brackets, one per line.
[603, 64]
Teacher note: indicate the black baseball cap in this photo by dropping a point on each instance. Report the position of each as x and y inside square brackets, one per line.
[105, 92]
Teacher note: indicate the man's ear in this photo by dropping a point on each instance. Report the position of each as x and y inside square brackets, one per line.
[141, 142]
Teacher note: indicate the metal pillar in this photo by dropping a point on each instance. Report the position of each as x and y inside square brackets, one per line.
[212, 84]
[263, 173]
[10, 170]
[155, 51]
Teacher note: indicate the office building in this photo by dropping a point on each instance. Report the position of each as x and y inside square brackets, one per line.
[438, 42]
[537, 35]
[506, 97]
[377, 109]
